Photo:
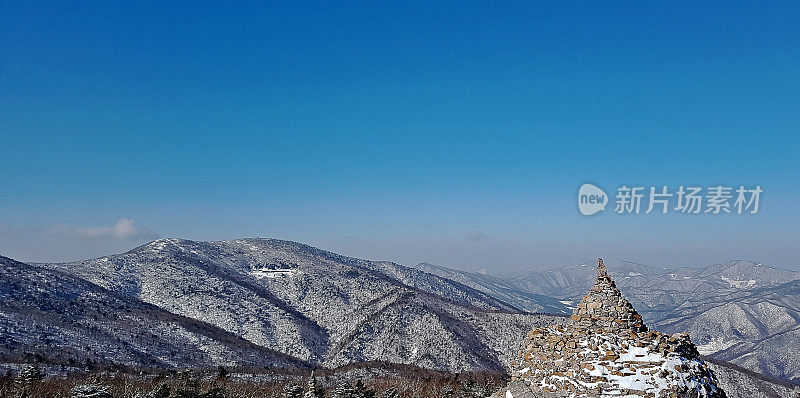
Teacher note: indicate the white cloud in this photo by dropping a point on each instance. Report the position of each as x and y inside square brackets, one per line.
[124, 229]
[62, 242]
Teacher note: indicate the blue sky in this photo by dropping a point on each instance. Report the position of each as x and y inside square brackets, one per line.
[455, 134]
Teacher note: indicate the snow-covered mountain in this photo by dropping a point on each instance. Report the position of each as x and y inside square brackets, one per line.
[47, 316]
[758, 329]
[738, 311]
[315, 305]
[267, 302]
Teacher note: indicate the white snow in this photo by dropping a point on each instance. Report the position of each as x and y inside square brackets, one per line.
[567, 303]
[737, 283]
[640, 354]
[716, 345]
[637, 368]
[272, 273]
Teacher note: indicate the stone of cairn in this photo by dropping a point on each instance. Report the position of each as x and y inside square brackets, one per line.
[604, 308]
[606, 350]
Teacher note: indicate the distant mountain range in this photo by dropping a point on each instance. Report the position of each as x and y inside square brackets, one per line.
[738, 311]
[503, 289]
[266, 302]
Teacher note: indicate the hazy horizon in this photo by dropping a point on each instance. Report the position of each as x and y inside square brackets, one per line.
[499, 269]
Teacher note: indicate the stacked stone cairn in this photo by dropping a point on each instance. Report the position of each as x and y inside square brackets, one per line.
[606, 350]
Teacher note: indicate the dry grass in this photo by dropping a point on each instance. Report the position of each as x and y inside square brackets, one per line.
[408, 381]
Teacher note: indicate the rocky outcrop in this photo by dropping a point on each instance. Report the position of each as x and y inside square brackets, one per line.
[606, 350]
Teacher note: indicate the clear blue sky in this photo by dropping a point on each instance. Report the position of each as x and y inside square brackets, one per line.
[409, 131]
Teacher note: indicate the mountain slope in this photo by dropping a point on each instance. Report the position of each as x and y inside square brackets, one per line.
[741, 383]
[758, 329]
[59, 319]
[500, 289]
[317, 305]
[439, 285]
[183, 280]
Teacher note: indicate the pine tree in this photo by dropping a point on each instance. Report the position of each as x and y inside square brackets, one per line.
[292, 390]
[313, 390]
[161, 392]
[346, 391]
[390, 392]
[471, 389]
[30, 375]
[448, 391]
[363, 391]
[223, 374]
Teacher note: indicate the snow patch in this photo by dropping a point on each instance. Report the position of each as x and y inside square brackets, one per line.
[636, 368]
[272, 273]
[716, 345]
[737, 283]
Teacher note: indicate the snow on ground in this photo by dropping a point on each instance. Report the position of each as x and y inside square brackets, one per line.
[716, 345]
[567, 303]
[738, 284]
[272, 273]
[637, 368]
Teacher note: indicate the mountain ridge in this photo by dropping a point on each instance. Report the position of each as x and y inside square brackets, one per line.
[317, 305]
[326, 309]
